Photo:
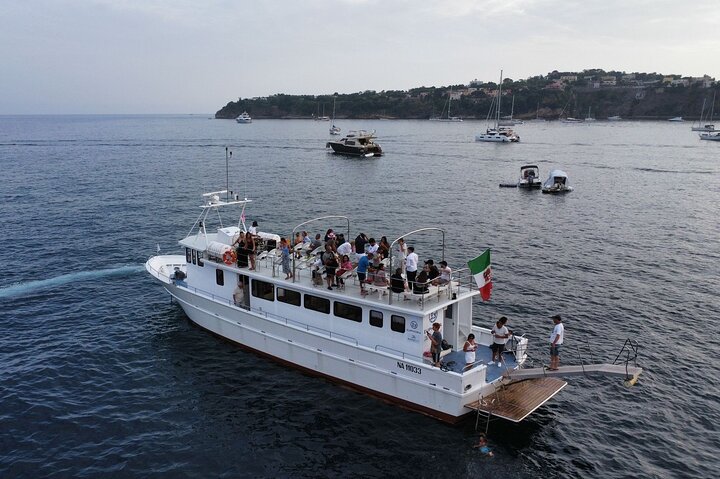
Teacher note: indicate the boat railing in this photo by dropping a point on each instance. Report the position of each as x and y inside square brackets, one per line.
[628, 353]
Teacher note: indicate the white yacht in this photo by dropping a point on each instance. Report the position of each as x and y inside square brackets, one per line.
[375, 342]
[497, 133]
[244, 118]
[711, 136]
[676, 119]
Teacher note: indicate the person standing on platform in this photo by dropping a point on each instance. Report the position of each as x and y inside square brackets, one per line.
[500, 334]
[556, 339]
[436, 346]
[411, 264]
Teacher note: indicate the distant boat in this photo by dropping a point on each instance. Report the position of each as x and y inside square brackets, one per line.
[614, 118]
[447, 118]
[589, 116]
[244, 118]
[707, 126]
[557, 183]
[356, 143]
[677, 118]
[713, 136]
[334, 130]
[572, 120]
[497, 133]
[510, 121]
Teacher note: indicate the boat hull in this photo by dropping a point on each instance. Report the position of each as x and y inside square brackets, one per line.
[415, 386]
[343, 149]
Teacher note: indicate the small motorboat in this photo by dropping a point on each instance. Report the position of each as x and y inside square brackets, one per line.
[556, 183]
[529, 177]
[356, 143]
[677, 118]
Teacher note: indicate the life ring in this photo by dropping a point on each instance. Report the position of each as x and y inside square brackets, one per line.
[229, 257]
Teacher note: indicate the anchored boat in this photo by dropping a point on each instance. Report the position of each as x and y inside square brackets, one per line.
[557, 183]
[356, 143]
[244, 117]
[375, 342]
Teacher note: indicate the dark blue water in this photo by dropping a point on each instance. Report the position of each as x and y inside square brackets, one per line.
[101, 375]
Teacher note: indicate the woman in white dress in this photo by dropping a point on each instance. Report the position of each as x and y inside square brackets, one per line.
[470, 347]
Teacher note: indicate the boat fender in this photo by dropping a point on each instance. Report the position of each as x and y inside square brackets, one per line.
[229, 257]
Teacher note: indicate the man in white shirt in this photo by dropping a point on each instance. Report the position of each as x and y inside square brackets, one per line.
[411, 264]
[556, 339]
[500, 334]
[253, 229]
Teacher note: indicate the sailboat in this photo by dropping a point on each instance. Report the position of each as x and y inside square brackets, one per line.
[707, 126]
[497, 133]
[447, 118]
[589, 116]
[334, 130]
[510, 121]
[323, 117]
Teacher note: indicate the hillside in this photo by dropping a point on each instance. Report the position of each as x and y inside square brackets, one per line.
[632, 96]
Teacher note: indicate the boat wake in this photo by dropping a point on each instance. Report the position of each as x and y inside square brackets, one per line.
[19, 289]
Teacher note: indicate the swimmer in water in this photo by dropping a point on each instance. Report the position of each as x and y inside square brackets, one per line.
[483, 446]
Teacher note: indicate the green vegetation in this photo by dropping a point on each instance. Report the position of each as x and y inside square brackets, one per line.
[555, 95]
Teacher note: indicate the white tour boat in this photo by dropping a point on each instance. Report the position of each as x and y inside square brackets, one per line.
[375, 342]
[557, 183]
[244, 117]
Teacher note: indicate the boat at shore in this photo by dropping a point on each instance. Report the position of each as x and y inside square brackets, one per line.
[446, 108]
[244, 117]
[676, 119]
[615, 118]
[356, 143]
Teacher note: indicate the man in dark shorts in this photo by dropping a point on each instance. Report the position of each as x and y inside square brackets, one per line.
[500, 334]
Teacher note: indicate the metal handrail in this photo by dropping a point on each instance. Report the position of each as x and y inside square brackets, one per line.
[631, 348]
[411, 233]
[295, 229]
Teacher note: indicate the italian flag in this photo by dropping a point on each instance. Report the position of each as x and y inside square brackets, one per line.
[480, 269]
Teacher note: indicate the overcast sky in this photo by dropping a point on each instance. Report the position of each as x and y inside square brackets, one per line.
[193, 56]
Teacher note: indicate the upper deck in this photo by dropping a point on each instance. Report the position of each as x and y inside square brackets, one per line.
[268, 268]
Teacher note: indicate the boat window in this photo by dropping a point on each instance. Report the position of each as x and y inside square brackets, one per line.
[397, 323]
[194, 257]
[350, 142]
[376, 319]
[317, 303]
[263, 290]
[449, 311]
[200, 255]
[188, 255]
[288, 296]
[219, 277]
[348, 311]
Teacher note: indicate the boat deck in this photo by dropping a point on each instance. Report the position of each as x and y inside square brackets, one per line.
[482, 357]
[436, 297]
[518, 400]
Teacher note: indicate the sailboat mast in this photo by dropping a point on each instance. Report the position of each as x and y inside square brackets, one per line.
[497, 115]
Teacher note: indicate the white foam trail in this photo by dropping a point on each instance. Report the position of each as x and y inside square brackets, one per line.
[30, 286]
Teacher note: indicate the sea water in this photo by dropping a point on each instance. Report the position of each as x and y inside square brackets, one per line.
[102, 375]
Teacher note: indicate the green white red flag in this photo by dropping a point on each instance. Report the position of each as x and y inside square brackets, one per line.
[481, 271]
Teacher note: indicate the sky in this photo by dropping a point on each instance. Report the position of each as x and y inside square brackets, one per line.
[194, 56]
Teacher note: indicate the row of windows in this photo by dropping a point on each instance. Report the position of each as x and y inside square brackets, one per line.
[266, 291]
[194, 257]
